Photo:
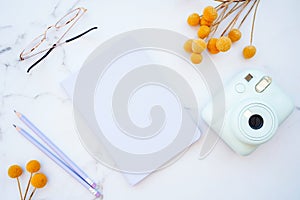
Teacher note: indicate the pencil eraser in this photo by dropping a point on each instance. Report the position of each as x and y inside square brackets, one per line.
[98, 194]
[94, 185]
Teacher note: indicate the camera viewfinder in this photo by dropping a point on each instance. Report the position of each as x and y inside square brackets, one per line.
[248, 77]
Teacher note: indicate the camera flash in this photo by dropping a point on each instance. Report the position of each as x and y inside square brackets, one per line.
[247, 113]
[263, 84]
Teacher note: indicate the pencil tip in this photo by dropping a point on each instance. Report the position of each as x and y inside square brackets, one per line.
[15, 126]
[18, 114]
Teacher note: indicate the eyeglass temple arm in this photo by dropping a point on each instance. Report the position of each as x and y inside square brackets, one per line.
[68, 40]
[78, 36]
[39, 60]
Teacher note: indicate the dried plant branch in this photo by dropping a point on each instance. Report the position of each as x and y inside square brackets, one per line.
[226, 1]
[253, 21]
[31, 195]
[28, 184]
[236, 17]
[245, 17]
[19, 187]
[229, 12]
[219, 19]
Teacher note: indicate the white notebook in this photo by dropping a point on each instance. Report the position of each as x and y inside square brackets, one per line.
[131, 178]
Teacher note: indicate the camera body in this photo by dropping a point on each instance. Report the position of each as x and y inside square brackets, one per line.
[254, 108]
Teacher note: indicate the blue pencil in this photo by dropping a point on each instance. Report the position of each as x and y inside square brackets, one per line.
[54, 148]
[58, 161]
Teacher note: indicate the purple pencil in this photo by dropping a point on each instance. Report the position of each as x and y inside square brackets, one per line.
[57, 160]
[54, 148]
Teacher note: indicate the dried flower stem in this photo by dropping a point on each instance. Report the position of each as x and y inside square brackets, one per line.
[234, 8]
[218, 7]
[32, 194]
[216, 25]
[226, 1]
[236, 17]
[19, 187]
[253, 21]
[233, 22]
[240, 6]
[245, 17]
[28, 184]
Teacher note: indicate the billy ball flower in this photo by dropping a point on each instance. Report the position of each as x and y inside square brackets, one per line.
[15, 171]
[38, 180]
[196, 58]
[188, 46]
[204, 22]
[249, 51]
[32, 166]
[210, 13]
[211, 46]
[223, 44]
[198, 46]
[193, 19]
[203, 31]
[234, 35]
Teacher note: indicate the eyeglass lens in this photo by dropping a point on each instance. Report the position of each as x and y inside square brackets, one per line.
[68, 18]
[33, 44]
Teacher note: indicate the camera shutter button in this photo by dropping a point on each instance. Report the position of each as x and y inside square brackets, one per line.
[240, 88]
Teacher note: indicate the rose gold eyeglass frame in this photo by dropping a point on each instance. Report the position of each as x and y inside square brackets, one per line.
[28, 53]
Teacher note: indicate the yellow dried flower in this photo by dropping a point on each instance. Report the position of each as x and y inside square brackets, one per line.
[188, 46]
[234, 35]
[196, 58]
[33, 166]
[198, 46]
[204, 22]
[210, 13]
[203, 31]
[39, 180]
[211, 46]
[223, 44]
[193, 19]
[249, 51]
[15, 171]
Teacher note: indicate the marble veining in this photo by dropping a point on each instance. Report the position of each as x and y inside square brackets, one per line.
[271, 165]
[35, 97]
[5, 27]
[53, 13]
[5, 50]
[20, 38]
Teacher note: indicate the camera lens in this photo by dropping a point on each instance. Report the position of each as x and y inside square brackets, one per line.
[256, 122]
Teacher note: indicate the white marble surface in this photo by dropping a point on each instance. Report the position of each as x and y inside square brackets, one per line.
[272, 172]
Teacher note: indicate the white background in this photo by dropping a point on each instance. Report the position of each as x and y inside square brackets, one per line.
[271, 172]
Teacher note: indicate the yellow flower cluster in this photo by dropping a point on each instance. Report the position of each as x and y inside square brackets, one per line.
[208, 24]
[197, 46]
[38, 180]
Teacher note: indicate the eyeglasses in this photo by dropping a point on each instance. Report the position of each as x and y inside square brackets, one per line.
[35, 47]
